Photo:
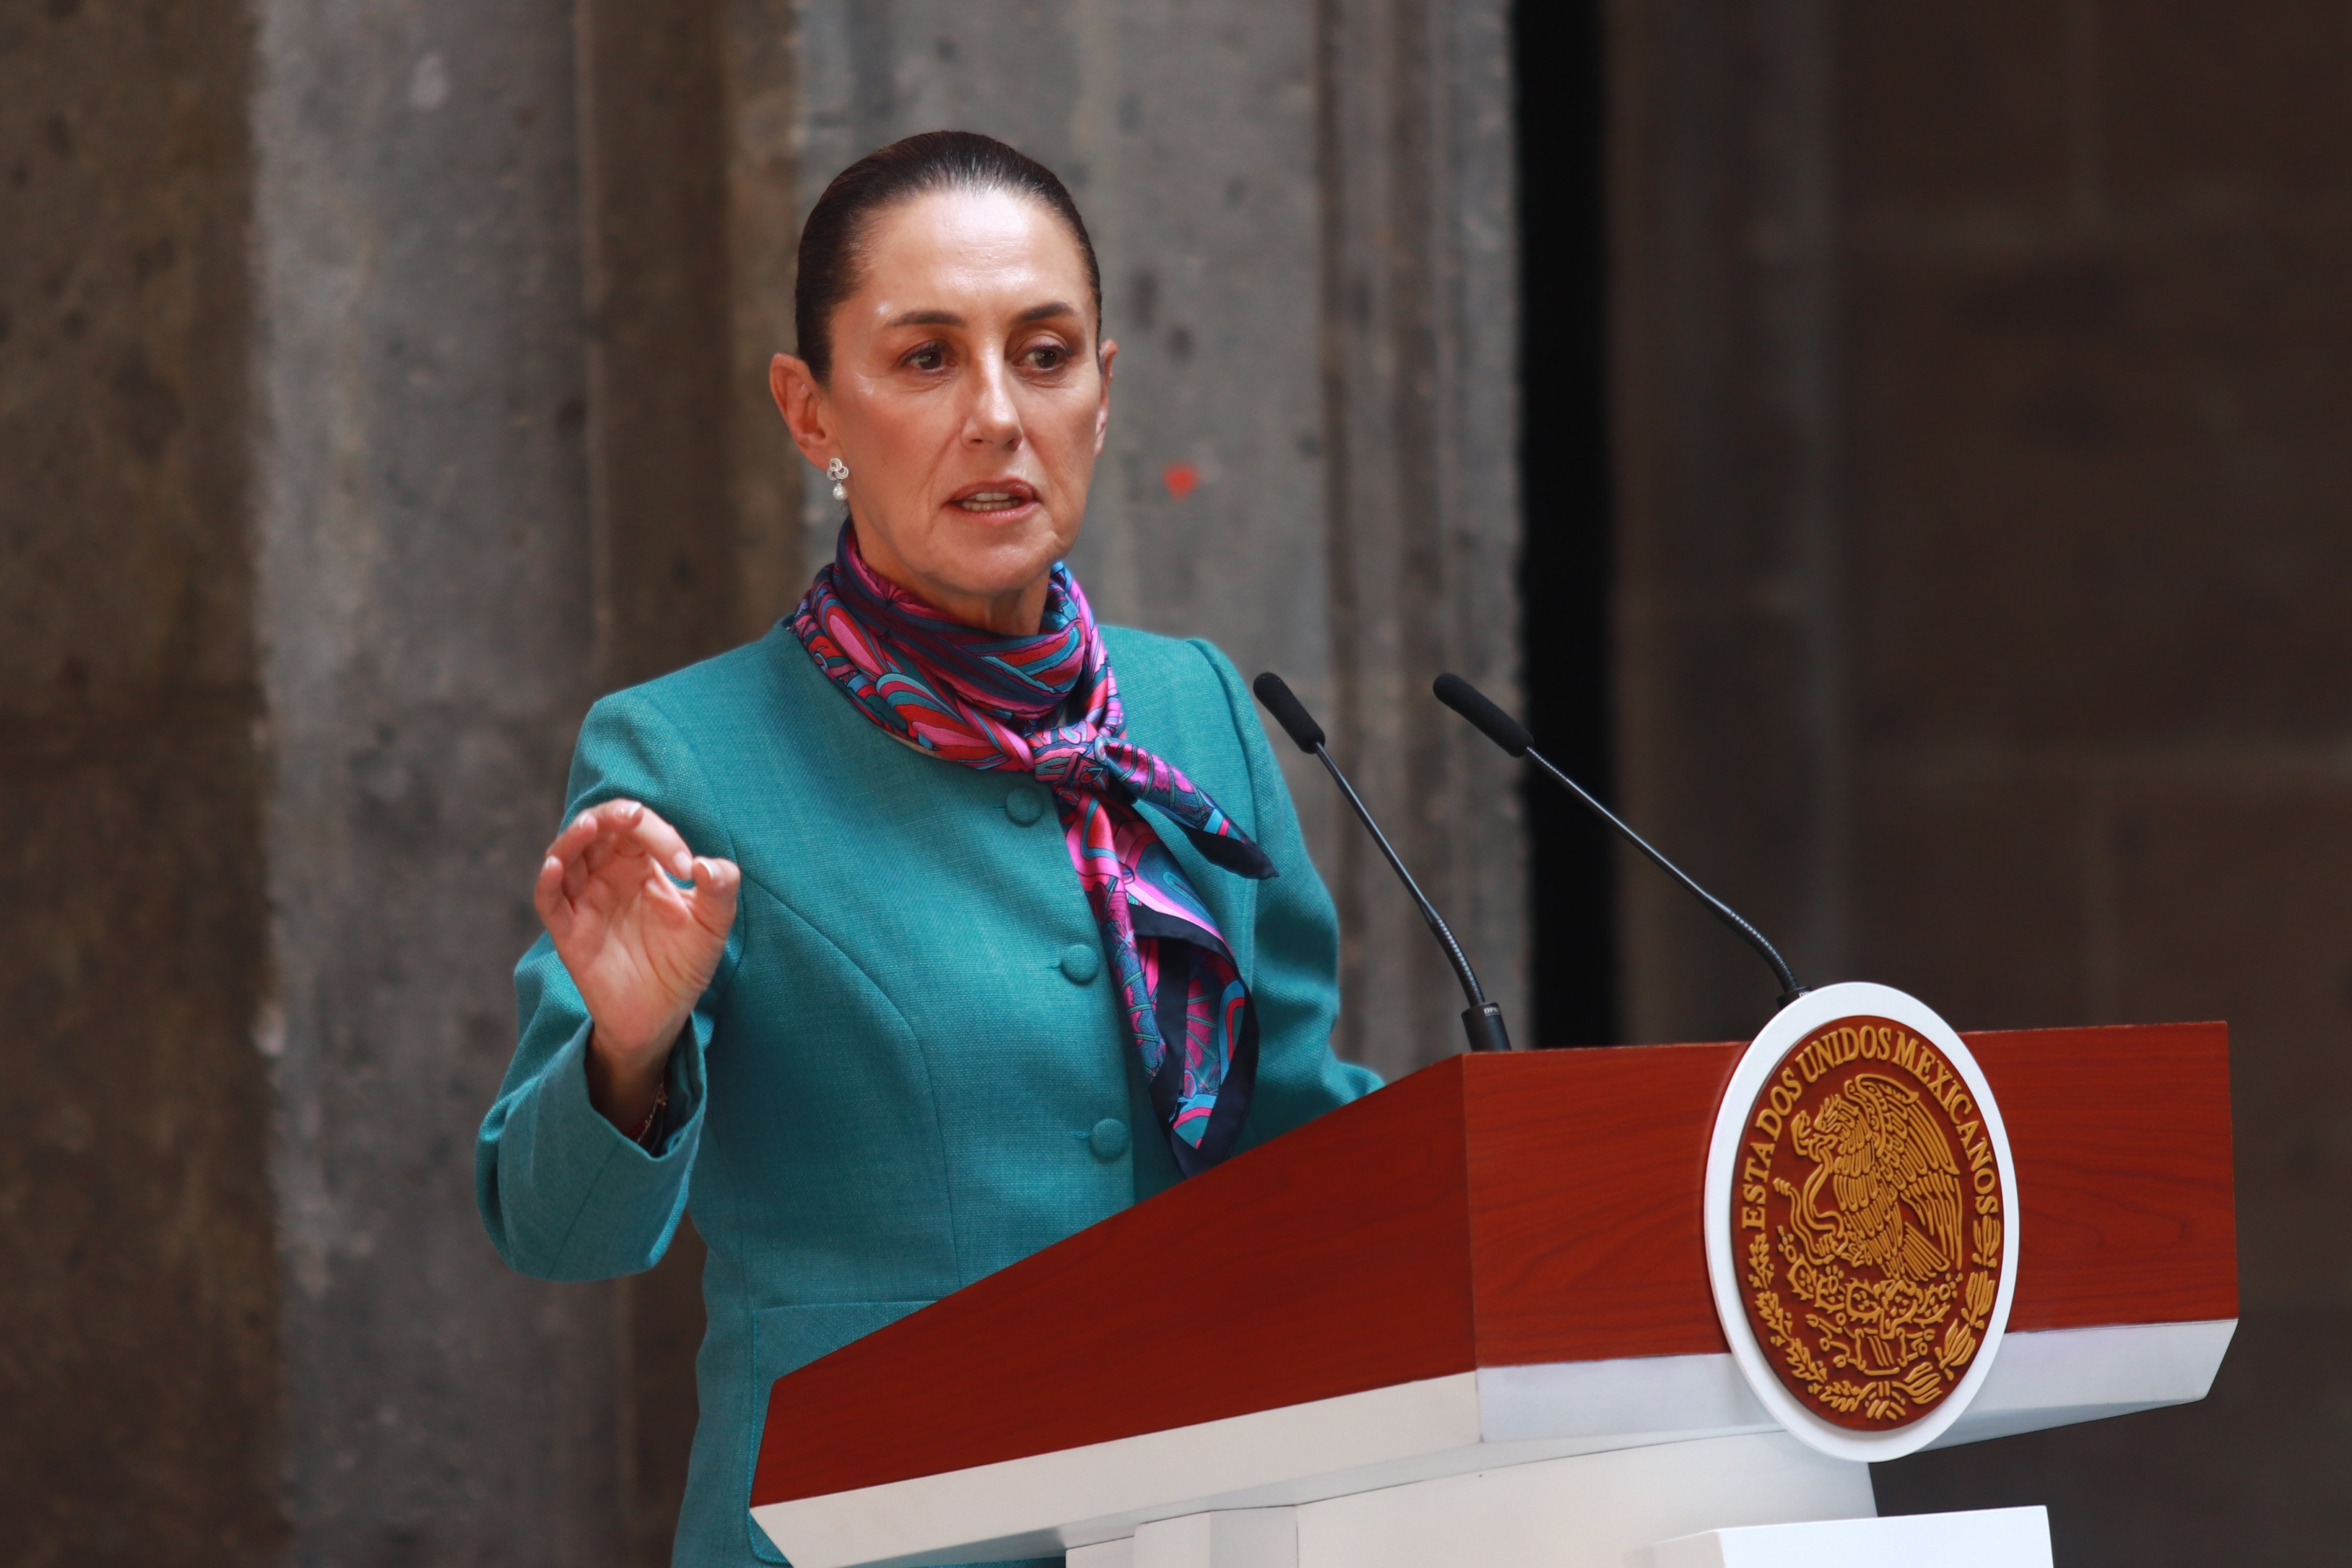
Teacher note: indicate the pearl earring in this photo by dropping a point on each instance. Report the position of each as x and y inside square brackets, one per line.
[838, 472]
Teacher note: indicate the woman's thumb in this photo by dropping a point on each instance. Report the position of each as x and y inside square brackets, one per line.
[714, 885]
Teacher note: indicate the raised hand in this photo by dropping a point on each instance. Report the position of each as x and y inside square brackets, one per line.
[641, 948]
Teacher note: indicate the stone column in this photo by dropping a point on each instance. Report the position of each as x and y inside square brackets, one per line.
[1419, 361]
[139, 1386]
[688, 163]
[425, 565]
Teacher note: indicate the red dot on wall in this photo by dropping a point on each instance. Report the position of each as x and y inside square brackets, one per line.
[1181, 479]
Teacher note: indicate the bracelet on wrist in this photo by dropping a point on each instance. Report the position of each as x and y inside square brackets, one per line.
[653, 1117]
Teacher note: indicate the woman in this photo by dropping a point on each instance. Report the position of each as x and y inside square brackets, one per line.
[940, 922]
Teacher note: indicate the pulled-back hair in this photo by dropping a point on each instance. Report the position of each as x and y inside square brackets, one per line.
[833, 255]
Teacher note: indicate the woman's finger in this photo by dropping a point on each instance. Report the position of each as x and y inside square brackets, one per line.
[618, 816]
[547, 896]
[584, 832]
[607, 844]
[578, 871]
[575, 837]
[661, 841]
[616, 837]
[715, 884]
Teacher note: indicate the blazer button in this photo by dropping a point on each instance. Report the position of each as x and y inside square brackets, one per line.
[1081, 961]
[1025, 803]
[1108, 1138]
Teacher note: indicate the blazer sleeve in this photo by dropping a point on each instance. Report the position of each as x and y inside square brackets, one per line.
[563, 1192]
[1295, 970]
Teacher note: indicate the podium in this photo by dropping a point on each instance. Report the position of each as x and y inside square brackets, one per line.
[1467, 1320]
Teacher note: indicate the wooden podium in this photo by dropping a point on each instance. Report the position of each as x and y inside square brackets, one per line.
[1467, 1321]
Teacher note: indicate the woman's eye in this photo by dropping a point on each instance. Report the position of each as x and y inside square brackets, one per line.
[930, 356]
[1049, 356]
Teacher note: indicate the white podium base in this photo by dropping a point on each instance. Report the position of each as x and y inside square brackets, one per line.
[1588, 1511]
[2009, 1537]
[1468, 1429]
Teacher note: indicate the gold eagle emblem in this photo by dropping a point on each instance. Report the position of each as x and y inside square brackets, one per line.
[1868, 1208]
[1890, 1168]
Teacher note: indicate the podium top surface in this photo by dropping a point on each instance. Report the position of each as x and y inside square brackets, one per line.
[1493, 1211]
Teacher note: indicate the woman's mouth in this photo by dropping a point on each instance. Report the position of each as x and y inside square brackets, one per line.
[992, 497]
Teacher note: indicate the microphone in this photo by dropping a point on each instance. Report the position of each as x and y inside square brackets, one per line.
[1482, 1021]
[1512, 736]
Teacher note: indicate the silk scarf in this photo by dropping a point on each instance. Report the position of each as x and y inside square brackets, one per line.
[1048, 705]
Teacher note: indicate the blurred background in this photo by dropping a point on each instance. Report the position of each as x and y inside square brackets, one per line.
[1897, 453]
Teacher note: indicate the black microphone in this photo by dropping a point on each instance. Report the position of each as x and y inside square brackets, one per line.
[1482, 1020]
[1512, 736]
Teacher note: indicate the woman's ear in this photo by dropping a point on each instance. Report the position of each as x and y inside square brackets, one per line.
[1102, 406]
[802, 402]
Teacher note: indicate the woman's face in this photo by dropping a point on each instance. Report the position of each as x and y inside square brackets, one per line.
[968, 399]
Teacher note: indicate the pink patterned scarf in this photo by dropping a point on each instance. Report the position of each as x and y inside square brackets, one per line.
[1048, 705]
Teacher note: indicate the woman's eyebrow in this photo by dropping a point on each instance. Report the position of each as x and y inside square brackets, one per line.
[1051, 309]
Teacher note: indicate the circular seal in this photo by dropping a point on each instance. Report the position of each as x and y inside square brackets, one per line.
[1861, 1221]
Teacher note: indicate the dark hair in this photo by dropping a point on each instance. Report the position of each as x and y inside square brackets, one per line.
[832, 241]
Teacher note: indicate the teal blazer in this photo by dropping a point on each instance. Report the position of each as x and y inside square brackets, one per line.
[912, 1067]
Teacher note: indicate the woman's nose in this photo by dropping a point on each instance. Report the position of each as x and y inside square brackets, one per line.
[995, 418]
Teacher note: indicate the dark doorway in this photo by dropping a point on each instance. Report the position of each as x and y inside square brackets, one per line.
[1564, 572]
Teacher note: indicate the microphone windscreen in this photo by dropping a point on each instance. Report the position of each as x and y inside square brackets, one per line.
[1471, 703]
[1288, 711]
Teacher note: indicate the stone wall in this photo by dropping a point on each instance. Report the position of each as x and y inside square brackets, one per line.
[140, 1320]
[1981, 629]
[380, 383]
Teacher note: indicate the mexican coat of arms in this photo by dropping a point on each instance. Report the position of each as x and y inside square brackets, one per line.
[1867, 1223]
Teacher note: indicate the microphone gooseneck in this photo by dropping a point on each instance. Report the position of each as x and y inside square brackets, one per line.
[1482, 1021]
[1512, 736]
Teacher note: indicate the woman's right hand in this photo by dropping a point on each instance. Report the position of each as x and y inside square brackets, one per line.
[641, 949]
